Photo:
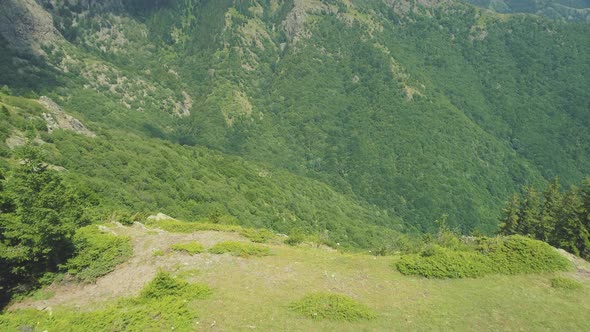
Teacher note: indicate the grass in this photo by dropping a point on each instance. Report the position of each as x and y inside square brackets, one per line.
[164, 304]
[331, 306]
[565, 283]
[240, 249]
[177, 226]
[259, 293]
[191, 248]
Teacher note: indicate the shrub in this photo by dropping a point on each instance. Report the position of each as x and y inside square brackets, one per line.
[565, 283]
[296, 237]
[97, 253]
[503, 255]
[518, 254]
[192, 248]
[439, 262]
[331, 306]
[240, 249]
[257, 235]
[164, 285]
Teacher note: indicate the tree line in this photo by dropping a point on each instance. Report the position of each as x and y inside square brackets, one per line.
[561, 219]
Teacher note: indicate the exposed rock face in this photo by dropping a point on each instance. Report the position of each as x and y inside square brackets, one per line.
[58, 119]
[26, 25]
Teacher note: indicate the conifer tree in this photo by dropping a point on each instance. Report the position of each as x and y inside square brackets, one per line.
[552, 202]
[509, 222]
[570, 232]
[529, 215]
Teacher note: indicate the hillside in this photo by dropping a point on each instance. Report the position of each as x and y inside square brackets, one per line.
[421, 110]
[255, 293]
[571, 10]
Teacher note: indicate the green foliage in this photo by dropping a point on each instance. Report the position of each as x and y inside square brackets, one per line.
[257, 235]
[296, 237]
[97, 253]
[40, 215]
[439, 262]
[192, 248]
[501, 255]
[240, 249]
[164, 285]
[560, 219]
[565, 283]
[333, 307]
[518, 254]
[162, 305]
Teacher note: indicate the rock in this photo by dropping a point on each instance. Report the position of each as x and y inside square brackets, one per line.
[26, 25]
[159, 217]
[58, 119]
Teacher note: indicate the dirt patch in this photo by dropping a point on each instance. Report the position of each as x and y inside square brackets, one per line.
[130, 277]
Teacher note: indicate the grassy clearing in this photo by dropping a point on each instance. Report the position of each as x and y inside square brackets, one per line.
[191, 248]
[261, 293]
[331, 306]
[240, 249]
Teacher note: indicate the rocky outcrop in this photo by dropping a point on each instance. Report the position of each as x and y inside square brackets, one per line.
[58, 119]
[26, 25]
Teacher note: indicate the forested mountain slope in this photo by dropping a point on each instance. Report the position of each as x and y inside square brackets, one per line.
[416, 109]
[571, 10]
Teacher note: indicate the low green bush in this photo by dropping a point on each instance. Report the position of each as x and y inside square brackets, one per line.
[166, 285]
[502, 255]
[240, 249]
[439, 262]
[565, 283]
[192, 248]
[97, 253]
[518, 254]
[261, 235]
[332, 306]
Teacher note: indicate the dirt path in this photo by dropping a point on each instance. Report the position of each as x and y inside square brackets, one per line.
[130, 277]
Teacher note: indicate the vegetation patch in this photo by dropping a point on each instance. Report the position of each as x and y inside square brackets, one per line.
[565, 283]
[502, 255]
[162, 305]
[439, 262]
[240, 249]
[165, 285]
[97, 253]
[192, 248]
[176, 226]
[333, 307]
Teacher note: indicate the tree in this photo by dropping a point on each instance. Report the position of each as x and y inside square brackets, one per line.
[529, 216]
[509, 223]
[570, 232]
[552, 202]
[38, 219]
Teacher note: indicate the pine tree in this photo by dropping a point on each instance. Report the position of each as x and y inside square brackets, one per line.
[509, 222]
[552, 202]
[570, 232]
[44, 213]
[529, 216]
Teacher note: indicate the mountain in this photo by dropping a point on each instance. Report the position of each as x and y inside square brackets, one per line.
[571, 10]
[402, 112]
